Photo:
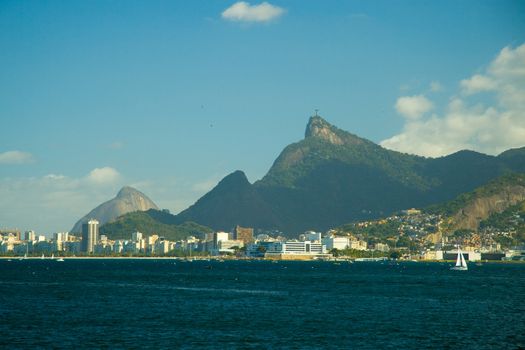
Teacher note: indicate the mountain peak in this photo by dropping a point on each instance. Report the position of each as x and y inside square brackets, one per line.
[127, 200]
[236, 178]
[319, 128]
[126, 191]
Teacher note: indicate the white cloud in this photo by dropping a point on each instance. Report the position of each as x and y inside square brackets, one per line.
[413, 107]
[244, 12]
[54, 202]
[492, 127]
[477, 83]
[105, 175]
[16, 157]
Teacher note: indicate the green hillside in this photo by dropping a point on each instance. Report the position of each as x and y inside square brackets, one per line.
[148, 223]
[333, 177]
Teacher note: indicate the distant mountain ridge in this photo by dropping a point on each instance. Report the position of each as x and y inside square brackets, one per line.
[332, 177]
[127, 200]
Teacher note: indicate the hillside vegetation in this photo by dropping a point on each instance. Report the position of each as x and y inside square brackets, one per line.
[149, 222]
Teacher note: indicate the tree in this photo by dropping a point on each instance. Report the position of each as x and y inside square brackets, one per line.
[395, 255]
[335, 252]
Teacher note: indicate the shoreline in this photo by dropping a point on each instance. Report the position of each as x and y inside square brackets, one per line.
[221, 259]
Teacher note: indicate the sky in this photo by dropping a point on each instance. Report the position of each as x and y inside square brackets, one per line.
[171, 96]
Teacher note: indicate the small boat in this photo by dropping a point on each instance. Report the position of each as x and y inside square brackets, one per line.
[461, 264]
[60, 259]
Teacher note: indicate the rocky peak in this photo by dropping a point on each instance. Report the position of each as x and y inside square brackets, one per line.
[127, 200]
[127, 191]
[320, 128]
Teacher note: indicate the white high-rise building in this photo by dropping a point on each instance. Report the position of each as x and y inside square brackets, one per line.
[89, 235]
[136, 236]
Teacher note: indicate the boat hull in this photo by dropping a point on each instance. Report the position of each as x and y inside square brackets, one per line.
[459, 268]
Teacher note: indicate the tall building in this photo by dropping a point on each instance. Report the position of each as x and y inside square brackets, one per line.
[136, 236]
[30, 235]
[89, 235]
[244, 234]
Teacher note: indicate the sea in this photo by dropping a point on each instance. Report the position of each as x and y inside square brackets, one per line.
[175, 304]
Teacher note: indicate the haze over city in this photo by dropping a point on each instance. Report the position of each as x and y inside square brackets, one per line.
[170, 97]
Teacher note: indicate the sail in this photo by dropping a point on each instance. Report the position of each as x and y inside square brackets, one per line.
[463, 262]
[458, 259]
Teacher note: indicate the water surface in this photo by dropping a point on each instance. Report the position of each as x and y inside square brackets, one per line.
[141, 303]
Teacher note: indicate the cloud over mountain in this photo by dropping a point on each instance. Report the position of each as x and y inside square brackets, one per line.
[490, 127]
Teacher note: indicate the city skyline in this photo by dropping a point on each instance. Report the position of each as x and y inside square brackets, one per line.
[169, 97]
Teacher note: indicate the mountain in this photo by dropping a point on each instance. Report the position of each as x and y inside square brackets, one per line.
[250, 210]
[127, 200]
[332, 177]
[468, 210]
[151, 222]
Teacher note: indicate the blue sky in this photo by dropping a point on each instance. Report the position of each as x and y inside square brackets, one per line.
[171, 96]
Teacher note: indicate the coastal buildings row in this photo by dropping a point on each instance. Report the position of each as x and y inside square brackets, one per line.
[411, 234]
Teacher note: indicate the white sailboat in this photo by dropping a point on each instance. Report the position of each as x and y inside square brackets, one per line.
[461, 264]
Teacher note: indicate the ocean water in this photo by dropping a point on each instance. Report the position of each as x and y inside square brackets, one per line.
[259, 305]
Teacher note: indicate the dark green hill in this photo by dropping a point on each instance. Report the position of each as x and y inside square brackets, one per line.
[514, 158]
[332, 177]
[152, 222]
[233, 200]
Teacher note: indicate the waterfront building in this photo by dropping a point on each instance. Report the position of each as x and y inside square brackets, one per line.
[131, 247]
[72, 246]
[8, 241]
[30, 235]
[468, 255]
[220, 236]
[24, 248]
[433, 255]
[89, 235]
[46, 247]
[162, 246]
[103, 248]
[358, 245]
[382, 247]
[244, 234]
[118, 247]
[311, 236]
[151, 240]
[6, 247]
[136, 236]
[59, 238]
[13, 232]
[336, 243]
[296, 250]
[226, 246]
